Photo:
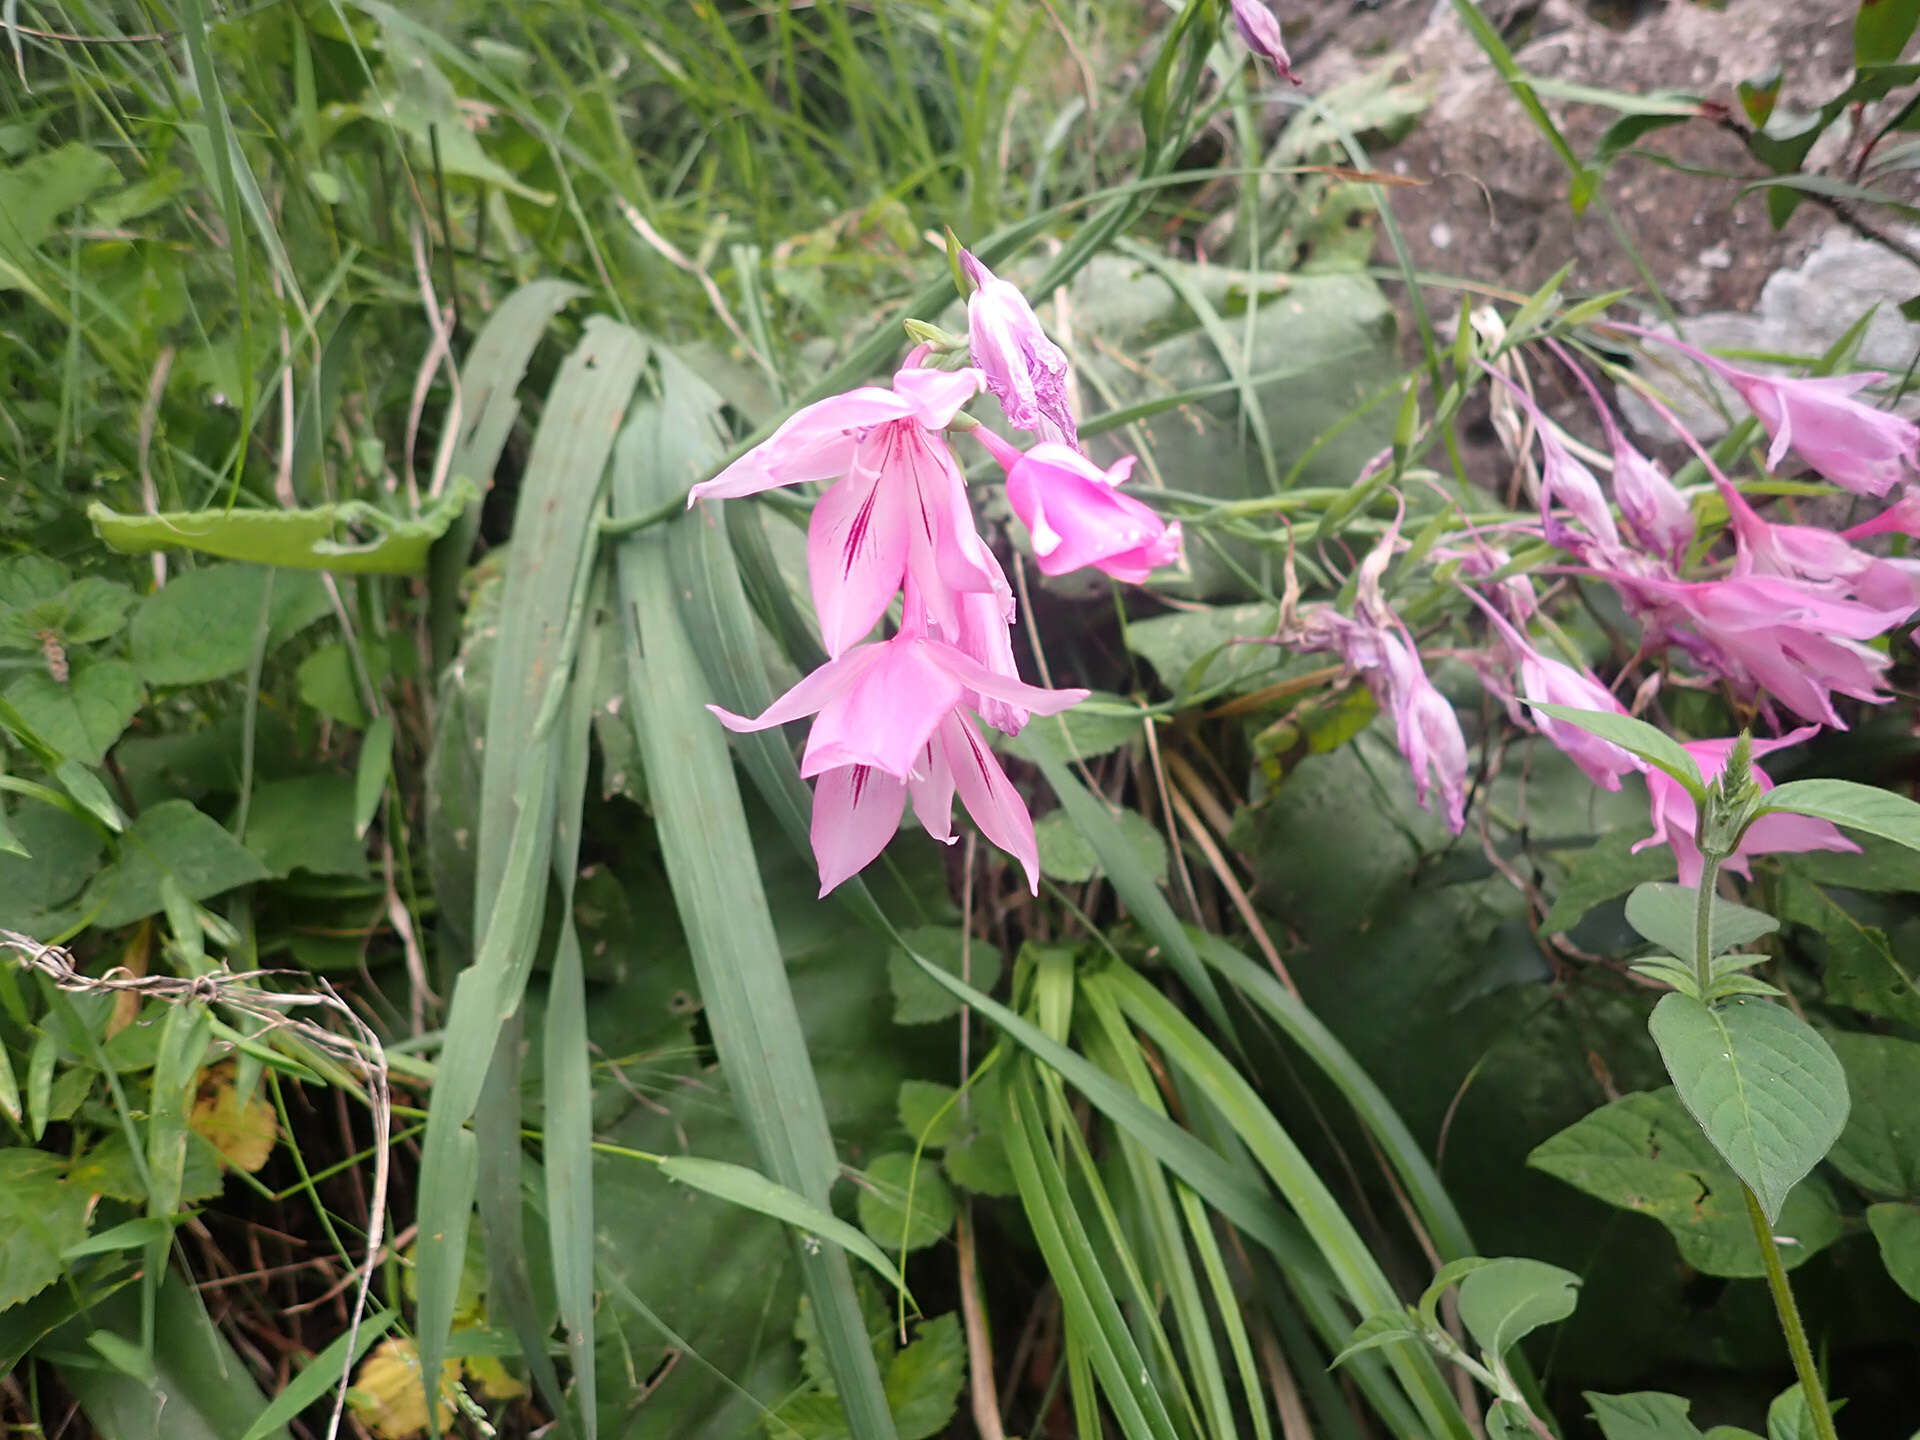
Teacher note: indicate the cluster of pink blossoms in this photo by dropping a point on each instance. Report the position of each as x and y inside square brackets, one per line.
[1784, 624]
[896, 719]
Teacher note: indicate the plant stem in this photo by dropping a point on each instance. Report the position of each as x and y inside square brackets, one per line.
[1803, 1366]
[1703, 923]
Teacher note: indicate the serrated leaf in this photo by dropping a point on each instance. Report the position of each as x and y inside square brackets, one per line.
[169, 839]
[1766, 1088]
[1896, 1228]
[1664, 915]
[918, 1000]
[1879, 1150]
[1502, 1303]
[926, 1114]
[1644, 1153]
[904, 1206]
[41, 1214]
[1656, 747]
[923, 1380]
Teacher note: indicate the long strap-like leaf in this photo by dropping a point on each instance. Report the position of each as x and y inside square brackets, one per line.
[709, 857]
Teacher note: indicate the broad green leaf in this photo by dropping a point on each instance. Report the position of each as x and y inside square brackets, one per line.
[1881, 29]
[203, 625]
[169, 839]
[1068, 856]
[1449, 1274]
[1502, 1303]
[350, 538]
[1897, 1229]
[930, 1113]
[1880, 1148]
[904, 1205]
[1861, 969]
[1603, 871]
[1790, 1418]
[1656, 747]
[739, 1185]
[35, 194]
[1643, 1415]
[305, 823]
[917, 1000]
[90, 794]
[1859, 807]
[923, 1380]
[1374, 1333]
[41, 1216]
[84, 716]
[1664, 915]
[62, 852]
[1764, 1085]
[326, 680]
[1199, 649]
[87, 611]
[1644, 1153]
[1669, 972]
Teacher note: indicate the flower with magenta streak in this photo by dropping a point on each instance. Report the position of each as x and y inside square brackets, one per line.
[1852, 443]
[1076, 514]
[1818, 558]
[1260, 29]
[1025, 371]
[900, 510]
[1676, 820]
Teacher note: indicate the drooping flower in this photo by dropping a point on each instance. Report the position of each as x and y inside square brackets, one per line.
[1565, 481]
[900, 510]
[1676, 820]
[1025, 371]
[1077, 515]
[1371, 643]
[1852, 443]
[1819, 558]
[1763, 633]
[1544, 680]
[1656, 513]
[1260, 29]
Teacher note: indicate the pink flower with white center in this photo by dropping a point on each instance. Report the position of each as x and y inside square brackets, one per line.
[1818, 558]
[857, 808]
[1025, 371]
[891, 721]
[1780, 636]
[1260, 30]
[900, 511]
[1544, 680]
[1676, 821]
[1852, 443]
[1076, 515]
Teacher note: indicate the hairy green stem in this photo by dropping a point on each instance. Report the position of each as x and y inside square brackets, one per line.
[1703, 923]
[1803, 1366]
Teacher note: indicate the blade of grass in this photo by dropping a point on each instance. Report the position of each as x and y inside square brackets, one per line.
[708, 853]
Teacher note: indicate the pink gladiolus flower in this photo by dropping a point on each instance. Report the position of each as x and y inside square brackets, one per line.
[1026, 371]
[1852, 443]
[1544, 680]
[890, 723]
[986, 635]
[900, 511]
[1676, 822]
[857, 808]
[1076, 514]
[1818, 558]
[1780, 636]
[1261, 31]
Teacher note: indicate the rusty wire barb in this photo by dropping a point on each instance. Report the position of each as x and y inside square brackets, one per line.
[240, 992]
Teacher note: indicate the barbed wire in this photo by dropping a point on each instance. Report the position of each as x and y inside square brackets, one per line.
[274, 1010]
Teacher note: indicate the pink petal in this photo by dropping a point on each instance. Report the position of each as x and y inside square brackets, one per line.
[815, 443]
[855, 812]
[978, 678]
[886, 718]
[945, 555]
[937, 395]
[932, 793]
[857, 547]
[815, 691]
[996, 807]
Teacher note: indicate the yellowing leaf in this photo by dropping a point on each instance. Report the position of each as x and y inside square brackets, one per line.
[388, 1396]
[491, 1376]
[242, 1130]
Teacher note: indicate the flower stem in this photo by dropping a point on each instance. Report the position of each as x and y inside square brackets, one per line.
[1703, 923]
[1790, 1326]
